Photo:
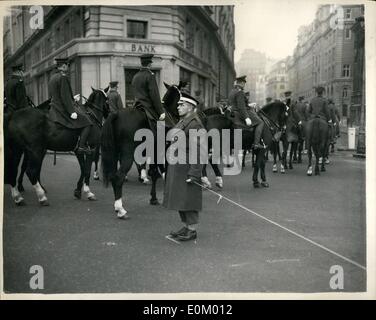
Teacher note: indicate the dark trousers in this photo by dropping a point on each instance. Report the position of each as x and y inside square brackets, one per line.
[189, 217]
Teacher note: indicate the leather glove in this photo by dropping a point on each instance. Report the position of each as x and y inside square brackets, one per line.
[73, 116]
[162, 116]
[248, 121]
[77, 97]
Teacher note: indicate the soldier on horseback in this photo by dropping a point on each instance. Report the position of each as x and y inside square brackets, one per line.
[62, 109]
[15, 91]
[146, 92]
[239, 102]
[318, 107]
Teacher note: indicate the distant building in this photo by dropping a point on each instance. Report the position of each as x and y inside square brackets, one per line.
[252, 64]
[277, 82]
[324, 57]
[103, 43]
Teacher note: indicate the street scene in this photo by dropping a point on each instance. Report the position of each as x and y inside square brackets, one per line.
[111, 114]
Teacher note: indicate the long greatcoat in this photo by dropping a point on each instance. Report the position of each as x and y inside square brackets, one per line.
[15, 93]
[178, 194]
[318, 107]
[62, 105]
[146, 93]
[238, 102]
[114, 101]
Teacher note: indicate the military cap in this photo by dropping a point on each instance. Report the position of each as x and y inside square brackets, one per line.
[287, 94]
[147, 57]
[60, 61]
[113, 84]
[320, 89]
[301, 98]
[241, 79]
[185, 97]
[17, 67]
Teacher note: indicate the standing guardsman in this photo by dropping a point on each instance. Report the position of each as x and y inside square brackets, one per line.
[242, 117]
[15, 91]
[146, 92]
[62, 109]
[114, 99]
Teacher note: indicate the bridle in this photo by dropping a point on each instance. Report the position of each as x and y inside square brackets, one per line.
[96, 107]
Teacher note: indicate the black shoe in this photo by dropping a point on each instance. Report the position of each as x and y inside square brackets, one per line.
[188, 235]
[174, 234]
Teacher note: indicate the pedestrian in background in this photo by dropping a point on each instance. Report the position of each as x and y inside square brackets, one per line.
[114, 99]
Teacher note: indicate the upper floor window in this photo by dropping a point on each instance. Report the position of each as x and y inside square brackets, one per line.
[346, 71]
[137, 29]
[348, 14]
[189, 35]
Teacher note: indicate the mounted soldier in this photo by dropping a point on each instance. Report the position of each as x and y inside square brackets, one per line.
[318, 107]
[63, 109]
[114, 99]
[147, 93]
[15, 91]
[244, 119]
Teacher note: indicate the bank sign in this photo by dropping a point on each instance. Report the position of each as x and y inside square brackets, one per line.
[143, 48]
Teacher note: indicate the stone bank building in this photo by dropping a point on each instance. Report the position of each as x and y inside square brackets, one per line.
[103, 43]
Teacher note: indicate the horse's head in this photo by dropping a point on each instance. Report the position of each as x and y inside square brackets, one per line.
[277, 111]
[98, 101]
[171, 99]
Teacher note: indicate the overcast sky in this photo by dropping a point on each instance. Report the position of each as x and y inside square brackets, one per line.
[270, 26]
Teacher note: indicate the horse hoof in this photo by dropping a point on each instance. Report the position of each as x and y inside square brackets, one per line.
[283, 171]
[309, 174]
[323, 169]
[92, 198]
[291, 167]
[154, 202]
[96, 178]
[77, 194]
[122, 214]
[21, 203]
[256, 184]
[219, 185]
[265, 184]
[44, 203]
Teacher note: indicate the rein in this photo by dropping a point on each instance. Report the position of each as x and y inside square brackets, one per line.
[92, 114]
[269, 122]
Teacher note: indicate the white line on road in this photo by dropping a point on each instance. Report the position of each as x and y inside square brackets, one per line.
[286, 229]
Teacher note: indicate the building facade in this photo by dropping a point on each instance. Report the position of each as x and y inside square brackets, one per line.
[324, 56]
[103, 43]
[277, 82]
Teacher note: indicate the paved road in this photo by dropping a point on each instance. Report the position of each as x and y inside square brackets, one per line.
[83, 247]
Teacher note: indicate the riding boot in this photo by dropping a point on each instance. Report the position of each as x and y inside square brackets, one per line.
[258, 132]
[82, 147]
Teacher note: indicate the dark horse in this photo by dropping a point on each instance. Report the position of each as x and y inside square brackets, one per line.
[29, 131]
[316, 139]
[273, 115]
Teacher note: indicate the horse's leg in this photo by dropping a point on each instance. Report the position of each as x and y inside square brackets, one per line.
[300, 149]
[81, 161]
[117, 181]
[218, 174]
[256, 183]
[291, 154]
[87, 173]
[204, 178]
[273, 150]
[262, 170]
[96, 161]
[243, 160]
[35, 159]
[153, 172]
[283, 157]
[21, 176]
[12, 158]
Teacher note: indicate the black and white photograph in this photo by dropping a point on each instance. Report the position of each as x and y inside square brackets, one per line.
[191, 150]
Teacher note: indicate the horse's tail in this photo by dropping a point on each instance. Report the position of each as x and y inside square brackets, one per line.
[109, 154]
